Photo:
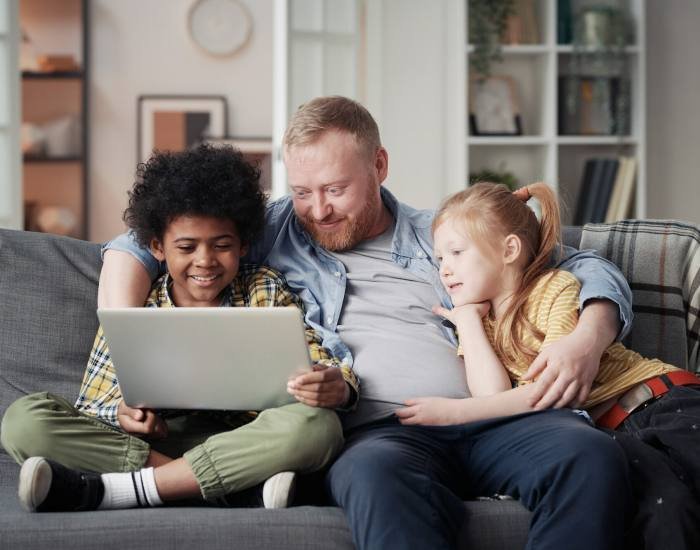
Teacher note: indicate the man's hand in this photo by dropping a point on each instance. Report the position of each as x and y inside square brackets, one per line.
[567, 368]
[324, 387]
[144, 422]
[431, 411]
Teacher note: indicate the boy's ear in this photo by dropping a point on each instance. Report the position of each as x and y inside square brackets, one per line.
[512, 248]
[157, 250]
[244, 249]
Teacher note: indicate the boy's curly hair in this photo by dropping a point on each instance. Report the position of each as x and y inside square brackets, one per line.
[208, 180]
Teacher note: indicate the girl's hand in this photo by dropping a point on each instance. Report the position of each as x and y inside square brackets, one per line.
[432, 411]
[465, 312]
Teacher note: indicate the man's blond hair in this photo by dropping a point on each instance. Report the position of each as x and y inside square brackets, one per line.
[333, 113]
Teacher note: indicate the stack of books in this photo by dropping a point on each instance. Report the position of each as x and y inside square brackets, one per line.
[605, 194]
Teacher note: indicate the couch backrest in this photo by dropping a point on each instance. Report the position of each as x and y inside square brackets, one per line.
[661, 261]
[48, 298]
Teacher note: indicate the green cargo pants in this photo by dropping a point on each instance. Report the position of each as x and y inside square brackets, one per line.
[293, 437]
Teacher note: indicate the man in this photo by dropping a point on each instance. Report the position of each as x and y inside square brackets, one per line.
[362, 262]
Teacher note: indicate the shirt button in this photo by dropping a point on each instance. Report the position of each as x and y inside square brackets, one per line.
[420, 254]
[329, 319]
[337, 274]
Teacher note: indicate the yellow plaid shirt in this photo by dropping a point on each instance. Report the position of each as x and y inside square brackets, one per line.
[254, 286]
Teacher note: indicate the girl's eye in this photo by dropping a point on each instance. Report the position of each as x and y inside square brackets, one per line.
[185, 248]
[223, 246]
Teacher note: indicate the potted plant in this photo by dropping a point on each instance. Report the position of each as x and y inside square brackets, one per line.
[487, 20]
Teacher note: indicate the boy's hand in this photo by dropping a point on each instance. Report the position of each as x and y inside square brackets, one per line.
[324, 387]
[141, 422]
[431, 411]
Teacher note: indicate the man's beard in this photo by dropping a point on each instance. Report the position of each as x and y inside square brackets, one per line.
[350, 233]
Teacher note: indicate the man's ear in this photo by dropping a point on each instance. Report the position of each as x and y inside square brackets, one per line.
[157, 250]
[381, 164]
[513, 246]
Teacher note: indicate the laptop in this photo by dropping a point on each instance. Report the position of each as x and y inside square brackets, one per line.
[229, 358]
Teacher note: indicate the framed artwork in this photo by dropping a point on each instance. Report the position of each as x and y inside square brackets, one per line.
[493, 107]
[256, 150]
[176, 123]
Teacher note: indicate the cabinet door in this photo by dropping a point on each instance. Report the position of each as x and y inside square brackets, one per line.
[315, 54]
[10, 162]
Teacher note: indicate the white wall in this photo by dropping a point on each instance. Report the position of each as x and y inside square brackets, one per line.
[415, 91]
[673, 109]
[142, 47]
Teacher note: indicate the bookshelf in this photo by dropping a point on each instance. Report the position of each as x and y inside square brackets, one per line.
[541, 152]
[54, 89]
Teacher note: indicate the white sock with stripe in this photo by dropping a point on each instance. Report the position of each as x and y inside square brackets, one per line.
[130, 490]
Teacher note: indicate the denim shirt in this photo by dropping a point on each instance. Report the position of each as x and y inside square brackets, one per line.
[320, 279]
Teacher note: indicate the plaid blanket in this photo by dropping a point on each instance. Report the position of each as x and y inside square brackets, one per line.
[660, 260]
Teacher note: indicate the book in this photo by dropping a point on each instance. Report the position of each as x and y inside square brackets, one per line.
[595, 190]
[604, 190]
[625, 203]
[564, 22]
[588, 191]
[617, 188]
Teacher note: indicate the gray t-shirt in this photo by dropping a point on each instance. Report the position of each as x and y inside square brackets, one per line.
[398, 344]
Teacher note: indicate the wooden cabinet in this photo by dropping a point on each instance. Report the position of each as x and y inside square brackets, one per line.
[54, 135]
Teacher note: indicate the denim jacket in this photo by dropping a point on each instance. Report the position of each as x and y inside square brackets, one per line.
[320, 279]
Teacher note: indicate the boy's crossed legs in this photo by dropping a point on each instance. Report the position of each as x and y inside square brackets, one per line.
[217, 460]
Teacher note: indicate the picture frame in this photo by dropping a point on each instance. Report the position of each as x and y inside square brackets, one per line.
[257, 151]
[178, 122]
[493, 107]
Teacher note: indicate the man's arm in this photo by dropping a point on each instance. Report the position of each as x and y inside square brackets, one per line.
[567, 368]
[127, 273]
[124, 281]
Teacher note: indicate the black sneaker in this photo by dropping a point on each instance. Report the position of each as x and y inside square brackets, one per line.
[47, 486]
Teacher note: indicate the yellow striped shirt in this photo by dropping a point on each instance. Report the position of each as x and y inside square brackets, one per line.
[553, 308]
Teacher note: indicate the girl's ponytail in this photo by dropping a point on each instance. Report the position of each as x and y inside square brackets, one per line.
[549, 242]
[543, 239]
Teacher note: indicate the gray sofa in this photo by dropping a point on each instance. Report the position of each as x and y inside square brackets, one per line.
[48, 288]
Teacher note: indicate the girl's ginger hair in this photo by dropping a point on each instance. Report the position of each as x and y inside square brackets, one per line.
[488, 212]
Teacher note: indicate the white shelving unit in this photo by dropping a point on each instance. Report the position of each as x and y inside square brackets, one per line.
[541, 154]
[10, 166]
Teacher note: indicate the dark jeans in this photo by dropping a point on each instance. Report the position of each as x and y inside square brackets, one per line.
[402, 486]
[662, 444]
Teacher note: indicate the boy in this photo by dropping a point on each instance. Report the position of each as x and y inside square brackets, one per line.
[198, 211]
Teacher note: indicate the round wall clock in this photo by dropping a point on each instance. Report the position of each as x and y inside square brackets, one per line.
[219, 27]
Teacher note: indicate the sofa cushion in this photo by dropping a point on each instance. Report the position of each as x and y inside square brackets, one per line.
[48, 297]
[660, 260]
[488, 525]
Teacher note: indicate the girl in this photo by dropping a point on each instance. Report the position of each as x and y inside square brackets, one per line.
[508, 305]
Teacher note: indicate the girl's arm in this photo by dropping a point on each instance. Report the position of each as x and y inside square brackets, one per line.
[443, 411]
[486, 374]
[562, 315]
